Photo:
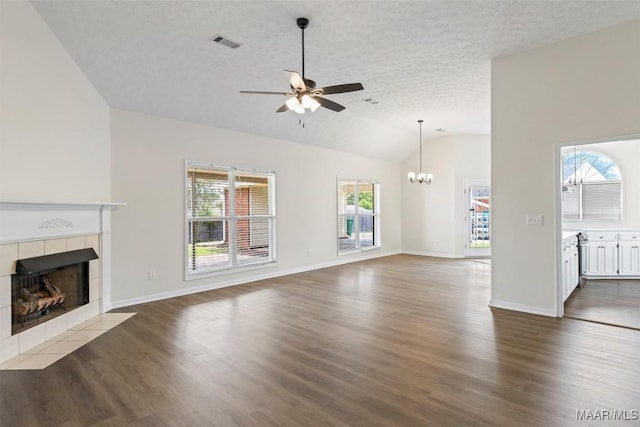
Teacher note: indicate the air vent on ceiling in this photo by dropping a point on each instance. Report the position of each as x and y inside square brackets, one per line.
[224, 41]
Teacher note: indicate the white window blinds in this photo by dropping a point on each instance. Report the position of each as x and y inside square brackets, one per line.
[593, 201]
[230, 218]
[602, 201]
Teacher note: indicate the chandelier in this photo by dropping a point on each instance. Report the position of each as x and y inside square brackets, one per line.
[420, 177]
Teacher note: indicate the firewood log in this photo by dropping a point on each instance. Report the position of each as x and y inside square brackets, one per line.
[53, 290]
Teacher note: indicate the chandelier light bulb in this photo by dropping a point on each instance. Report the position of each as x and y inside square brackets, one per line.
[429, 178]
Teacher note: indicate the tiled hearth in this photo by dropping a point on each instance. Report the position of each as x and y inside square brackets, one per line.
[31, 229]
[54, 349]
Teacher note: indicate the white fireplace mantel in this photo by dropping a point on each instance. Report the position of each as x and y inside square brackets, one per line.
[23, 221]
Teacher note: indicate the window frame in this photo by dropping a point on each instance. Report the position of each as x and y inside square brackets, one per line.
[232, 266]
[579, 190]
[375, 216]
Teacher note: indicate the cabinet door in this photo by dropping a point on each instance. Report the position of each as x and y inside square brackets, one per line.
[594, 264]
[602, 259]
[610, 258]
[629, 259]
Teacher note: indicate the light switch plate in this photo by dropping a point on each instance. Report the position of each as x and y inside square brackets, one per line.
[534, 219]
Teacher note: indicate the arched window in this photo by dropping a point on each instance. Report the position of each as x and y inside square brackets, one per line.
[591, 187]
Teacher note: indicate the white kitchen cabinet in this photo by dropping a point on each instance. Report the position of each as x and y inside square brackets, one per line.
[602, 258]
[629, 262]
[570, 273]
[611, 254]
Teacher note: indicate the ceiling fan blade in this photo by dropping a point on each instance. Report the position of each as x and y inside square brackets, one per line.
[296, 81]
[334, 106]
[282, 109]
[256, 92]
[351, 87]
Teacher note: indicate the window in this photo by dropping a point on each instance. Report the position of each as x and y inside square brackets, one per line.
[591, 187]
[358, 215]
[230, 218]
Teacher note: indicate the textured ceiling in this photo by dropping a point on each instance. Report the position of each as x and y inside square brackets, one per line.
[418, 59]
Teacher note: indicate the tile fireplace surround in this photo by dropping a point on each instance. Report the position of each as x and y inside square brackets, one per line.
[30, 229]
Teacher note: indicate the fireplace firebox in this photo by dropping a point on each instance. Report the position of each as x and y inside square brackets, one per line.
[45, 287]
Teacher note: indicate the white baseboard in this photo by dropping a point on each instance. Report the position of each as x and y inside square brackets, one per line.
[363, 256]
[523, 308]
[433, 254]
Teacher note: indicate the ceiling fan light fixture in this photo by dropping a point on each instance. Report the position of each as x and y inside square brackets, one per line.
[310, 103]
[292, 103]
[304, 89]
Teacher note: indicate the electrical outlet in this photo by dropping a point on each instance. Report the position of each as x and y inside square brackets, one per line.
[534, 219]
[152, 275]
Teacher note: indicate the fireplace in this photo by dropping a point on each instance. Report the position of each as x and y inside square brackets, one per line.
[47, 286]
[45, 231]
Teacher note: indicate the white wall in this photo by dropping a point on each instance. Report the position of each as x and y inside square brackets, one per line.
[432, 215]
[579, 89]
[55, 126]
[148, 155]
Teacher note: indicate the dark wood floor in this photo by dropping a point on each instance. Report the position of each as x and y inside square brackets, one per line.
[615, 302]
[401, 340]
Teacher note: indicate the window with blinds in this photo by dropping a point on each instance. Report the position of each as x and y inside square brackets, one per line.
[593, 201]
[358, 215]
[591, 187]
[230, 218]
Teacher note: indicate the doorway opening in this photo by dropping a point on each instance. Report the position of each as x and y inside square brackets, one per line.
[477, 219]
[599, 218]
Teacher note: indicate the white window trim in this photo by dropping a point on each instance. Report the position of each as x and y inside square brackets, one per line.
[579, 188]
[271, 262]
[376, 217]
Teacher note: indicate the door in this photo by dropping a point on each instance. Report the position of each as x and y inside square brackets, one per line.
[477, 219]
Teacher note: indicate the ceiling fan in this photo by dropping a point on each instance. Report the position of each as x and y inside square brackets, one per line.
[304, 94]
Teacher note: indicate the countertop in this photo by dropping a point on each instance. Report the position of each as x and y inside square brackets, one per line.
[569, 234]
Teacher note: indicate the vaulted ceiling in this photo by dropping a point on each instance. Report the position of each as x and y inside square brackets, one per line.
[426, 60]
